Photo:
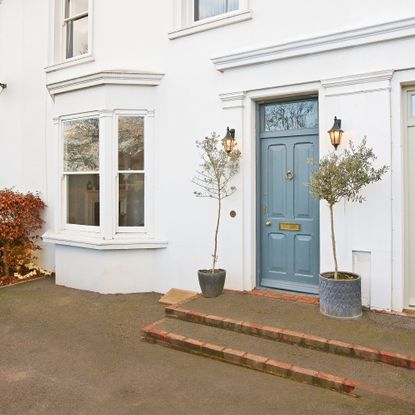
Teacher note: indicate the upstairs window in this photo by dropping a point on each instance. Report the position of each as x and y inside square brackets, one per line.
[204, 9]
[76, 27]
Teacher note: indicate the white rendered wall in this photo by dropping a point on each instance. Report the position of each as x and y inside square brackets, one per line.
[23, 54]
[187, 104]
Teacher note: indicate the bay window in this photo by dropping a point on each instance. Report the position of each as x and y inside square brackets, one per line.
[96, 148]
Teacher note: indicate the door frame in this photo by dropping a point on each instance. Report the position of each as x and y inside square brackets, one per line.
[258, 174]
[408, 91]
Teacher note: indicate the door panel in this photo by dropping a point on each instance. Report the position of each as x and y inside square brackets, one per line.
[303, 153]
[277, 251]
[277, 160]
[303, 247]
[289, 216]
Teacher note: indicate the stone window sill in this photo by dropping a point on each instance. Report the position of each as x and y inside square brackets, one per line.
[96, 242]
[77, 60]
[212, 23]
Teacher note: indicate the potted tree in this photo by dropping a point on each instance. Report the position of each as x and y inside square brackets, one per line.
[217, 168]
[337, 177]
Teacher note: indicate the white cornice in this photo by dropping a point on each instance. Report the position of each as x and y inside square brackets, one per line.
[232, 99]
[358, 79]
[352, 84]
[355, 37]
[109, 77]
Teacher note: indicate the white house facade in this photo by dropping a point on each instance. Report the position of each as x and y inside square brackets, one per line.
[105, 100]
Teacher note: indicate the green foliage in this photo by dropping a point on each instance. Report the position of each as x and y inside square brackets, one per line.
[344, 175]
[217, 168]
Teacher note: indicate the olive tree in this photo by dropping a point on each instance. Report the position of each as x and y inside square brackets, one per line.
[217, 168]
[342, 176]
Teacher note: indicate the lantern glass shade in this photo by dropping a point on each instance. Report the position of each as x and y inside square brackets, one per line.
[228, 141]
[336, 132]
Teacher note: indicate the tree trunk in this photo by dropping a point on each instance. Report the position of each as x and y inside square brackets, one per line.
[6, 267]
[215, 251]
[333, 242]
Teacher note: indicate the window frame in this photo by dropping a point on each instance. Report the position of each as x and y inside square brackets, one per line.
[184, 22]
[120, 230]
[63, 33]
[108, 178]
[63, 175]
[216, 16]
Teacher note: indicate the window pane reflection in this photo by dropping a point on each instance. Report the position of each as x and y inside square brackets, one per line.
[131, 199]
[291, 116]
[74, 7]
[131, 143]
[76, 37]
[83, 199]
[209, 8]
[81, 145]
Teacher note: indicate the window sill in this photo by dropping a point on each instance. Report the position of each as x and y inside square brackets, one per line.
[98, 243]
[77, 60]
[212, 23]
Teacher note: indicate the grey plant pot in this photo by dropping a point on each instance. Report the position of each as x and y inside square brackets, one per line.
[340, 298]
[210, 283]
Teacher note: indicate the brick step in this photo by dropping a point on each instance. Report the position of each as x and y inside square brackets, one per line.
[156, 333]
[376, 331]
[359, 378]
[294, 337]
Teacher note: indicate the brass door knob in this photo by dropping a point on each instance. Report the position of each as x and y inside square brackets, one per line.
[289, 175]
[268, 223]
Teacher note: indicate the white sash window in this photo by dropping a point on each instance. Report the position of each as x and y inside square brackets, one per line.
[204, 9]
[76, 28]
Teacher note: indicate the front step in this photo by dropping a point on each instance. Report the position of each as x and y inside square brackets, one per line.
[161, 333]
[294, 337]
[388, 384]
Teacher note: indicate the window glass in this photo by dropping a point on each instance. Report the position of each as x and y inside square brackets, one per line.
[131, 199]
[83, 199]
[291, 115]
[131, 171]
[413, 105]
[209, 8]
[76, 37]
[130, 143]
[81, 169]
[81, 145]
[76, 22]
[74, 7]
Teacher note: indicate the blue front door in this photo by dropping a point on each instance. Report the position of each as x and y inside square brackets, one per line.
[289, 215]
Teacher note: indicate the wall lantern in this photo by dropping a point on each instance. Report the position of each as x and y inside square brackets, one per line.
[228, 141]
[336, 132]
[2, 86]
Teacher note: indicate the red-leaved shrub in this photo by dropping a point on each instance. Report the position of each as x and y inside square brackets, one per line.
[19, 220]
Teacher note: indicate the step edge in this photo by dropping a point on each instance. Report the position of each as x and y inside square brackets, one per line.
[294, 337]
[249, 360]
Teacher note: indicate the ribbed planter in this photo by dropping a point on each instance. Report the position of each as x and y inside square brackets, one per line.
[340, 298]
[210, 283]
